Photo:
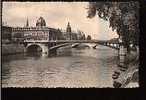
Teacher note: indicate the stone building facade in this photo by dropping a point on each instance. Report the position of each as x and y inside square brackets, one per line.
[38, 33]
[43, 33]
[69, 34]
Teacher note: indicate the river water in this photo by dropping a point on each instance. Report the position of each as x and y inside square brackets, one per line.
[86, 67]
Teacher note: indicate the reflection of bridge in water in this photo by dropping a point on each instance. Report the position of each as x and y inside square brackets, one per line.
[51, 46]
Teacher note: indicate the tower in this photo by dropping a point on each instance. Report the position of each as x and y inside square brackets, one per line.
[27, 23]
[68, 31]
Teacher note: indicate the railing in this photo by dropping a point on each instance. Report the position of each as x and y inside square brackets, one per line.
[36, 41]
[58, 46]
[68, 41]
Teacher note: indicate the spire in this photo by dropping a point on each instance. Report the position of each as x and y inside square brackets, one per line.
[27, 23]
[68, 24]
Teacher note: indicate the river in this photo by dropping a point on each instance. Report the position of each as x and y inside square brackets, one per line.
[69, 68]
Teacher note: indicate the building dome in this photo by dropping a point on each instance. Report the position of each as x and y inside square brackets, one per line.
[41, 22]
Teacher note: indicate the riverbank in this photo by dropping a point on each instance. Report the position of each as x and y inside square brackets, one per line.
[8, 49]
[129, 78]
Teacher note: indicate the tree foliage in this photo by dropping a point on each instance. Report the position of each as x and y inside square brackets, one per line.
[122, 16]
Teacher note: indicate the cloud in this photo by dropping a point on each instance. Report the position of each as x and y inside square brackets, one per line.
[57, 15]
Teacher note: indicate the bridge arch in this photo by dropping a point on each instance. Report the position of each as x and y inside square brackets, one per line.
[36, 47]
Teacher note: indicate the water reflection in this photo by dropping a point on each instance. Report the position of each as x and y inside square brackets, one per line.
[69, 68]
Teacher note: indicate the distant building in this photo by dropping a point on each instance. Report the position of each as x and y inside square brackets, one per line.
[41, 22]
[42, 33]
[80, 35]
[89, 37]
[68, 32]
[39, 33]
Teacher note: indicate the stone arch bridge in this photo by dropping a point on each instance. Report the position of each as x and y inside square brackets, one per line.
[52, 46]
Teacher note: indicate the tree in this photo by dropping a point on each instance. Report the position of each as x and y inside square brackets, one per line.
[122, 16]
[88, 37]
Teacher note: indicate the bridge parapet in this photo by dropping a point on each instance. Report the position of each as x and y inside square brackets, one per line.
[33, 41]
[67, 41]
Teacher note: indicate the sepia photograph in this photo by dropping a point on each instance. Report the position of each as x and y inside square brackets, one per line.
[70, 44]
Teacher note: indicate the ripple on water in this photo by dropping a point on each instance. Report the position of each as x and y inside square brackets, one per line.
[83, 68]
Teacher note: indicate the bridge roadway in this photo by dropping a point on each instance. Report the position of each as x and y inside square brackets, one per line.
[60, 45]
[66, 41]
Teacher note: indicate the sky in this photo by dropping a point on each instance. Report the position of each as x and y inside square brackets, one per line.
[57, 15]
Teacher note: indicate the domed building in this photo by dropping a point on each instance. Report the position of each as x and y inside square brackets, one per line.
[42, 33]
[41, 22]
[38, 33]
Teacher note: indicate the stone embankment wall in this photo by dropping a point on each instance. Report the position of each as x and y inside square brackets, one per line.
[12, 49]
